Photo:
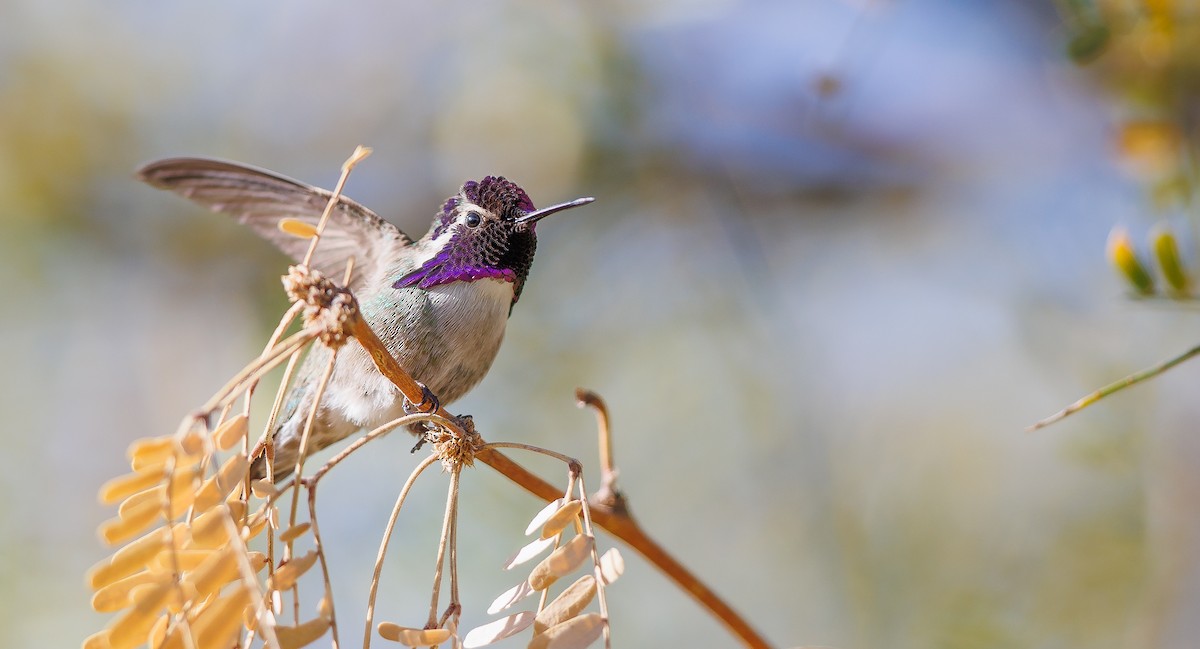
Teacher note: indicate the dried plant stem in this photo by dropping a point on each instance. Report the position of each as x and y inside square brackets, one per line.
[1115, 386]
[259, 367]
[308, 425]
[600, 588]
[284, 322]
[618, 522]
[320, 548]
[383, 543]
[360, 153]
[449, 523]
[362, 441]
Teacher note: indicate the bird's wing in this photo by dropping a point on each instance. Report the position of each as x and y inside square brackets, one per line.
[261, 199]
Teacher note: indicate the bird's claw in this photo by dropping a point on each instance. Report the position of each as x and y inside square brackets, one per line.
[427, 398]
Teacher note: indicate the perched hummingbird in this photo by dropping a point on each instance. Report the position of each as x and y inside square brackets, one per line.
[440, 303]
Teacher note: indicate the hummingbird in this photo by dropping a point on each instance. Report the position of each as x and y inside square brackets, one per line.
[440, 303]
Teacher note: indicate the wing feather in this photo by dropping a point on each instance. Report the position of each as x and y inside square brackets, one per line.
[260, 199]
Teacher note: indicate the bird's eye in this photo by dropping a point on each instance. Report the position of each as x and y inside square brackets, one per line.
[473, 219]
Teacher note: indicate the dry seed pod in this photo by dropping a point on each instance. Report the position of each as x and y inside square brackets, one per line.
[129, 559]
[560, 562]
[294, 532]
[298, 228]
[294, 637]
[567, 605]
[412, 637]
[492, 632]
[559, 520]
[612, 566]
[542, 516]
[575, 633]
[286, 575]
[510, 597]
[530, 551]
[232, 432]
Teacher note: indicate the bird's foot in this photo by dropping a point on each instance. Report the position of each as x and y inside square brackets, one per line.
[429, 402]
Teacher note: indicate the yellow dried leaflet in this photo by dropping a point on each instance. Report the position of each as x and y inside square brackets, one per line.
[264, 489]
[216, 488]
[158, 632]
[115, 596]
[129, 559]
[232, 432]
[218, 569]
[98, 640]
[257, 560]
[561, 518]
[294, 637]
[412, 637]
[510, 597]
[575, 633]
[151, 449]
[567, 605]
[542, 516]
[560, 562]
[127, 485]
[286, 575]
[132, 629]
[298, 228]
[116, 530]
[530, 551]
[294, 532]
[217, 624]
[495, 631]
[192, 442]
[255, 525]
[211, 529]
[180, 559]
[612, 565]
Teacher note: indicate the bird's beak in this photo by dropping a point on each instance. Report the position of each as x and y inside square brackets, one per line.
[538, 215]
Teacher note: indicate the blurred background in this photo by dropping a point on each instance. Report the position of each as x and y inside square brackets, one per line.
[842, 254]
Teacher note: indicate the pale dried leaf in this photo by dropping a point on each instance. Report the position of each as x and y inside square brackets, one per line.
[119, 530]
[559, 520]
[510, 597]
[115, 596]
[294, 532]
[127, 485]
[286, 575]
[217, 624]
[132, 629]
[575, 633]
[218, 569]
[530, 551]
[232, 432]
[298, 228]
[505, 627]
[129, 559]
[263, 488]
[612, 565]
[211, 529]
[412, 637]
[216, 488]
[98, 640]
[567, 605]
[294, 637]
[542, 516]
[560, 562]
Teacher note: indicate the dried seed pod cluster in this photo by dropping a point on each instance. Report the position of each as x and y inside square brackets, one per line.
[1164, 248]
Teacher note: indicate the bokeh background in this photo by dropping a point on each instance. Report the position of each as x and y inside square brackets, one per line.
[843, 253]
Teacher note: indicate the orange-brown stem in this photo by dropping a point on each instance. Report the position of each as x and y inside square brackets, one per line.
[619, 524]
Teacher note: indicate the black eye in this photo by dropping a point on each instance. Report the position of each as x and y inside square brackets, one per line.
[473, 219]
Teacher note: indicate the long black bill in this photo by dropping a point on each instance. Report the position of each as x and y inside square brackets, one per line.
[538, 215]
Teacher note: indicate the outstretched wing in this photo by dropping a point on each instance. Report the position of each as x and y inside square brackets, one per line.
[260, 199]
